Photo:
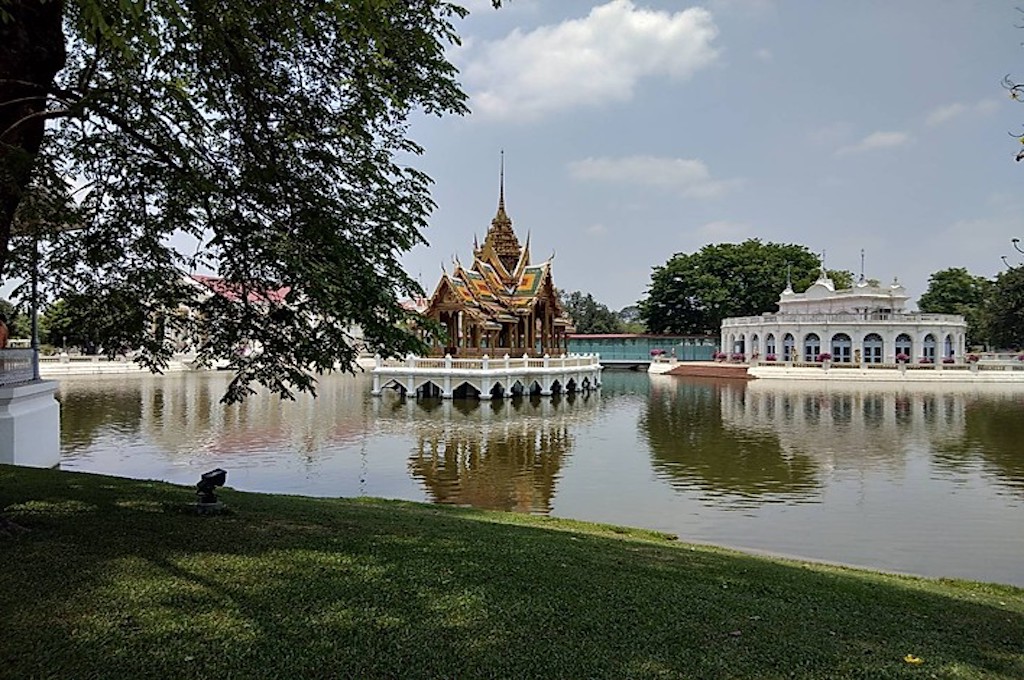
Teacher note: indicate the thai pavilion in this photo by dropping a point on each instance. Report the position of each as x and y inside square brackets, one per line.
[863, 324]
[502, 303]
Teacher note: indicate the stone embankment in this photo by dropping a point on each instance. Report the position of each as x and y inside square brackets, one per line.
[700, 369]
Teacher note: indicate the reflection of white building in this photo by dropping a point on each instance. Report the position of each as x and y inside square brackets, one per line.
[852, 426]
[866, 323]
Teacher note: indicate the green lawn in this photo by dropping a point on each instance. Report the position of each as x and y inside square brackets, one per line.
[114, 580]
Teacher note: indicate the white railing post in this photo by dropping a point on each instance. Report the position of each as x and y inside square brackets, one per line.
[547, 361]
[486, 361]
[507, 358]
[448, 361]
[410, 361]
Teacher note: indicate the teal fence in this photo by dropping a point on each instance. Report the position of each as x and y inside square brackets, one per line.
[628, 347]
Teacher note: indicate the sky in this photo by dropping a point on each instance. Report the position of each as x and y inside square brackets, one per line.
[636, 129]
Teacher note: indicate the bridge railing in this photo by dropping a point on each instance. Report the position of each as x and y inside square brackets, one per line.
[490, 363]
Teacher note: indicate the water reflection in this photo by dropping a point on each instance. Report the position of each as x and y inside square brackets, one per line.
[499, 455]
[182, 416]
[771, 442]
[991, 437]
[701, 435]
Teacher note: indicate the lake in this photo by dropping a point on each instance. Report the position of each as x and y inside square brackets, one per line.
[919, 479]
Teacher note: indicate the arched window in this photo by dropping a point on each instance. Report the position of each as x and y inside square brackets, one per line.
[947, 346]
[842, 348]
[812, 346]
[755, 344]
[874, 348]
[904, 345]
[928, 351]
[788, 347]
[769, 344]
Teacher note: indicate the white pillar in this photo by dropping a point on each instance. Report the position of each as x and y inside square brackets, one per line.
[30, 424]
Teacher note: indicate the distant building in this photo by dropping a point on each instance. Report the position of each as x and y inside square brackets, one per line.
[863, 324]
[502, 303]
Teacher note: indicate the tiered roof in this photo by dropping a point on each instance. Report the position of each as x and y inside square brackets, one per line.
[501, 284]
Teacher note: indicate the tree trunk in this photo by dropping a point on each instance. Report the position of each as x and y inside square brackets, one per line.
[31, 53]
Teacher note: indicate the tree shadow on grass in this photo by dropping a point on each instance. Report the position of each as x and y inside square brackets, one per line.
[114, 581]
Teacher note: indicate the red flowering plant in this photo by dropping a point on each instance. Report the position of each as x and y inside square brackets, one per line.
[824, 356]
[902, 358]
[973, 358]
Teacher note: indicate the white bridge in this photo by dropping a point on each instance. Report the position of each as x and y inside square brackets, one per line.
[485, 378]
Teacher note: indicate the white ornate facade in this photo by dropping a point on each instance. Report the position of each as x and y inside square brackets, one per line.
[864, 324]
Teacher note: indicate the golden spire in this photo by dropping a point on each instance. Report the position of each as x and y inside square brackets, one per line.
[501, 184]
[501, 240]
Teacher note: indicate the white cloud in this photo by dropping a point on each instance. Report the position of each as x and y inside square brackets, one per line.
[946, 113]
[691, 177]
[876, 140]
[940, 115]
[588, 61]
[724, 231]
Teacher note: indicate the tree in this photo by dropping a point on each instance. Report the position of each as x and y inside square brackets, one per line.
[590, 316]
[111, 323]
[692, 293]
[1005, 309]
[268, 137]
[957, 291]
[630, 318]
[19, 325]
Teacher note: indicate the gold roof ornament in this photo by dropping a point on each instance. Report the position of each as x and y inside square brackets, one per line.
[501, 246]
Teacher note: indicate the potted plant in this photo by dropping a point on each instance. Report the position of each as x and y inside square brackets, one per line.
[770, 357]
[948, 360]
[823, 357]
[902, 358]
[973, 358]
[924, 360]
[737, 356]
[718, 356]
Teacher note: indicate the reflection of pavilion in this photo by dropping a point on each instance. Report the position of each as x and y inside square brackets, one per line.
[501, 455]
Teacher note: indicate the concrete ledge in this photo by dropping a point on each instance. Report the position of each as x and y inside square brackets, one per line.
[702, 369]
[880, 375]
[30, 424]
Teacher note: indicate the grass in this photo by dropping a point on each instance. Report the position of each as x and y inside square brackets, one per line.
[114, 580]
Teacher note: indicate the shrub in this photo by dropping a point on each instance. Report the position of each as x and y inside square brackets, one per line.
[736, 356]
[769, 357]
[948, 360]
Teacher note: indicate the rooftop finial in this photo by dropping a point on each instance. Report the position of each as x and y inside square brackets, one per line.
[862, 265]
[501, 184]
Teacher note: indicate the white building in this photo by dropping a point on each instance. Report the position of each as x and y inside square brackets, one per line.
[863, 324]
